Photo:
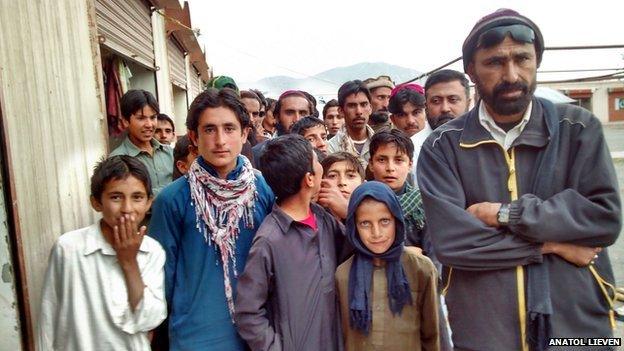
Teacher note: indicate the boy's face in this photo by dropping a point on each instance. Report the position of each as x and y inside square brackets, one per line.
[375, 225]
[164, 132]
[141, 125]
[122, 197]
[390, 166]
[344, 176]
[219, 139]
[317, 136]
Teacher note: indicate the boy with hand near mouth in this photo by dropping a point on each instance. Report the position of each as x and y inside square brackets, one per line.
[342, 173]
[104, 283]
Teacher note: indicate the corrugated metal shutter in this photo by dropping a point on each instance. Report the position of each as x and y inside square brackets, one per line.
[195, 83]
[127, 28]
[177, 65]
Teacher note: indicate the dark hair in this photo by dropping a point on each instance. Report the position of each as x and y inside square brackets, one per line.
[213, 98]
[163, 117]
[181, 150]
[379, 117]
[284, 162]
[331, 103]
[312, 100]
[278, 104]
[402, 97]
[445, 76]
[263, 100]
[304, 124]
[135, 100]
[350, 88]
[401, 140]
[116, 168]
[248, 94]
[270, 104]
[343, 156]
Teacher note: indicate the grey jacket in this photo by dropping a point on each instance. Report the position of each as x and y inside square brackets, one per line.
[485, 277]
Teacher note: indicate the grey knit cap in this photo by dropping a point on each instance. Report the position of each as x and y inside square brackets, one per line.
[498, 18]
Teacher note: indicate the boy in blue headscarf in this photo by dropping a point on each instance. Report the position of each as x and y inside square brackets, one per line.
[387, 292]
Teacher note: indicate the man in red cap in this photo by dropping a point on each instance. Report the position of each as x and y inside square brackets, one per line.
[521, 200]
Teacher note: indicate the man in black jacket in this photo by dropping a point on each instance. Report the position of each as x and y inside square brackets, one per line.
[521, 201]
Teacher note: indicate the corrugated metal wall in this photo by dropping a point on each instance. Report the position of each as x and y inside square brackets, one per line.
[195, 84]
[126, 26]
[177, 68]
[55, 125]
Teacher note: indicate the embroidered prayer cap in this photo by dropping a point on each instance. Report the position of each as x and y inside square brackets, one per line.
[381, 81]
[499, 18]
[411, 86]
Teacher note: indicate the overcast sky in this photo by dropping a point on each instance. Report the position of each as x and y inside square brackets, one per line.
[250, 40]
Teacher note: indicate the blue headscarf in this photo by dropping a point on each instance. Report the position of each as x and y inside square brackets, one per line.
[361, 274]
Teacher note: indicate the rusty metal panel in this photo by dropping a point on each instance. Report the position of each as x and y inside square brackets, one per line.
[54, 122]
[126, 27]
[177, 65]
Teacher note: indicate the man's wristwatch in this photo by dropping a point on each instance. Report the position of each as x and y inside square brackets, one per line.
[503, 215]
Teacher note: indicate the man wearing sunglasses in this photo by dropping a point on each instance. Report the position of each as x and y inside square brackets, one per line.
[521, 201]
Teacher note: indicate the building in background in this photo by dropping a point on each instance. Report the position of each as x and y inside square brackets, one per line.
[63, 66]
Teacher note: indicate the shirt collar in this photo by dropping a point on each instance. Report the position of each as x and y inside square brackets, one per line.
[94, 241]
[133, 150]
[488, 122]
[284, 221]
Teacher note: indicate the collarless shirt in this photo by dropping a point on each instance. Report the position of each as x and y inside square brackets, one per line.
[159, 165]
[418, 140]
[85, 301]
[505, 139]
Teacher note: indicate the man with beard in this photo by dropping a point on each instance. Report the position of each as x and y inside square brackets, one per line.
[354, 102]
[447, 96]
[380, 89]
[521, 201]
[291, 106]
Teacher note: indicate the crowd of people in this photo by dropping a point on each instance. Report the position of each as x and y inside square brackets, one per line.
[394, 219]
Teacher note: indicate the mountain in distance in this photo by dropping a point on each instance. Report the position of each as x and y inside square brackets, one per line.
[324, 85]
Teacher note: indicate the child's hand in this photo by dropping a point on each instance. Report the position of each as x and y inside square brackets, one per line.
[127, 239]
[330, 197]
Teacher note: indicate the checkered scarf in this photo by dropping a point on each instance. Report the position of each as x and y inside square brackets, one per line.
[219, 206]
[411, 203]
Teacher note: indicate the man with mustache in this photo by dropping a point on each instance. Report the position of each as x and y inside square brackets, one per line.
[354, 102]
[380, 89]
[447, 96]
[139, 110]
[521, 201]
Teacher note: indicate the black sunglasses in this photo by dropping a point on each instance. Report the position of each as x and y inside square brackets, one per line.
[519, 33]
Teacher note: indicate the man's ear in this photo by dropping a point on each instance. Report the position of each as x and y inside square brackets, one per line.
[308, 180]
[95, 203]
[193, 136]
[471, 72]
[125, 122]
[245, 133]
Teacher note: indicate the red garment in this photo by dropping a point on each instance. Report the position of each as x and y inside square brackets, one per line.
[113, 93]
[310, 221]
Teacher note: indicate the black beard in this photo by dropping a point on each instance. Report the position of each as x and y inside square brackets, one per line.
[435, 122]
[508, 107]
